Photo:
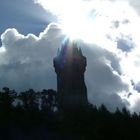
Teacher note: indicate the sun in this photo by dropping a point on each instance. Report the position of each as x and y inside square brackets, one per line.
[73, 16]
[88, 20]
[93, 21]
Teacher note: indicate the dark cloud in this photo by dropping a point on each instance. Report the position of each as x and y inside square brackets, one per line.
[103, 79]
[137, 87]
[23, 15]
[28, 60]
[34, 75]
[125, 45]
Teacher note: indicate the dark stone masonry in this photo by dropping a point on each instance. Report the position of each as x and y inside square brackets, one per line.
[70, 65]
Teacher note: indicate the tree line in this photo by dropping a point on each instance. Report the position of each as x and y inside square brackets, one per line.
[34, 115]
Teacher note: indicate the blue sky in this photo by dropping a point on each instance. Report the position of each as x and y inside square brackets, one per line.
[30, 36]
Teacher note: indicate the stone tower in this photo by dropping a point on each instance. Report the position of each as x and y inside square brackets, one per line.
[70, 66]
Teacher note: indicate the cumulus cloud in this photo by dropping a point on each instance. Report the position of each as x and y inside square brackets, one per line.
[103, 78]
[125, 45]
[27, 62]
[110, 43]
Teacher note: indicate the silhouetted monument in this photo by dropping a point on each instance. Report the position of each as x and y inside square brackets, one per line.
[70, 66]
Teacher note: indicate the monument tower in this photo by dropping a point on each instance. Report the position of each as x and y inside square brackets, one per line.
[70, 65]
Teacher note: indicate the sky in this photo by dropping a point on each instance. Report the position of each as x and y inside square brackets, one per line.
[108, 32]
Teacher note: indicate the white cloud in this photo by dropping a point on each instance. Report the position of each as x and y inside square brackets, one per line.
[27, 62]
[114, 26]
[113, 55]
[94, 20]
[103, 78]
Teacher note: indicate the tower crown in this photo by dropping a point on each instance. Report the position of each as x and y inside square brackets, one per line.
[69, 54]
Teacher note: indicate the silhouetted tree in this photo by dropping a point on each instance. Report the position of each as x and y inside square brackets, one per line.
[125, 112]
[6, 98]
[29, 100]
[48, 99]
[29, 121]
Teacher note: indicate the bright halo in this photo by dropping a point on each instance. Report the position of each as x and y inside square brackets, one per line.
[88, 20]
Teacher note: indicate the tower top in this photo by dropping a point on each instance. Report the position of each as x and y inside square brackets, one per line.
[69, 52]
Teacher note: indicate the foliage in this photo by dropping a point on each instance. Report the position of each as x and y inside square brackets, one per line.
[32, 115]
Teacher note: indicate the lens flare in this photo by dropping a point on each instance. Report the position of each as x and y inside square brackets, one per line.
[90, 20]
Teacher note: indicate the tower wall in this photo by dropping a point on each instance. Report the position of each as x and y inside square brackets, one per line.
[70, 66]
